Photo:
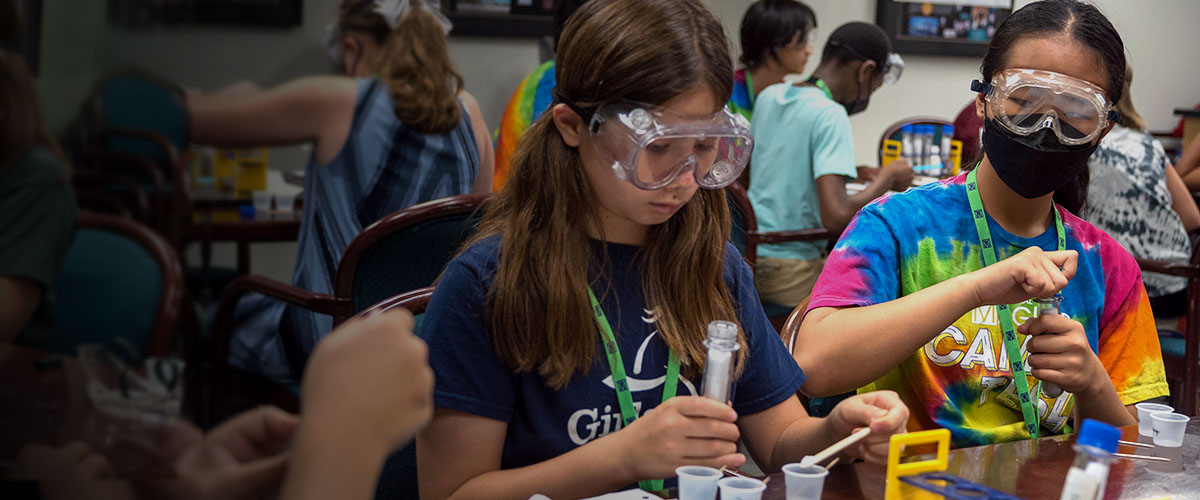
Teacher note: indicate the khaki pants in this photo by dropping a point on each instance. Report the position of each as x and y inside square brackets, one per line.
[786, 282]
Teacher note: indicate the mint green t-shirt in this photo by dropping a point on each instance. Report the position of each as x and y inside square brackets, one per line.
[800, 134]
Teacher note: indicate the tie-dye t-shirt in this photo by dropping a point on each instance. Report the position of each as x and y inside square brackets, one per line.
[961, 380]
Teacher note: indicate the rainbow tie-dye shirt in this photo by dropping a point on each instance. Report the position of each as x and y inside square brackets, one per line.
[528, 102]
[961, 380]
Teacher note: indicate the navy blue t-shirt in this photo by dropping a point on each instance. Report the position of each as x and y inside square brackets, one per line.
[544, 423]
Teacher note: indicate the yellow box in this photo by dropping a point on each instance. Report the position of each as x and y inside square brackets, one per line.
[891, 152]
[955, 157]
[250, 173]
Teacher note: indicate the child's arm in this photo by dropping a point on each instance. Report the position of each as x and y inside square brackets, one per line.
[312, 109]
[1182, 201]
[846, 348]
[458, 455]
[786, 433]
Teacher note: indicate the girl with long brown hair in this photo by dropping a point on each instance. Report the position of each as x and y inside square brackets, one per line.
[380, 144]
[560, 334]
[38, 215]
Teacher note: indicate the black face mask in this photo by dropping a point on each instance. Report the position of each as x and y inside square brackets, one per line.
[858, 105]
[1036, 164]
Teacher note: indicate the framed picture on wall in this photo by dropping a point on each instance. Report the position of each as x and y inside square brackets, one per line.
[941, 27]
[148, 13]
[513, 18]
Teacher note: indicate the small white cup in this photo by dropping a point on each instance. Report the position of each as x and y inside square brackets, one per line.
[262, 201]
[1168, 428]
[285, 202]
[697, 482]
[804, 482]
[741, 488]
[1144, 410]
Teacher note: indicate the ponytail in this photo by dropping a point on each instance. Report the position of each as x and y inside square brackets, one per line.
[415, 65]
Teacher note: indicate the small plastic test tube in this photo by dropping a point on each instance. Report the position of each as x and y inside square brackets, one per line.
[1044, 307]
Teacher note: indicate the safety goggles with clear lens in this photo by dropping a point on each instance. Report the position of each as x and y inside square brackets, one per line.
[651, 146]
[1027, 100]
[892, 67]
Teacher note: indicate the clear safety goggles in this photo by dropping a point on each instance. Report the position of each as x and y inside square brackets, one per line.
[650, 146]
[1028, 100]
[892, 67]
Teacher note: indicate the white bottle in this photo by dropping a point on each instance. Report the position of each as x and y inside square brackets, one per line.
[1094, 450]
[722, 343]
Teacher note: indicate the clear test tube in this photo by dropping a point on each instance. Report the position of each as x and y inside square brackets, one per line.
[722, 343]
[1044, 307]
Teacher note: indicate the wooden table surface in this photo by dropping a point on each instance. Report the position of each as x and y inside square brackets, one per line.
[1031, 469]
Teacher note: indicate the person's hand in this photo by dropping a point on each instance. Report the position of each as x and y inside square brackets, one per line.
[899, 174]
[684, 430]
[369, 380]
[882, 411]
[1059, 353]
[1031, 273]
[72, 462]
[241, 458]
[866, 173]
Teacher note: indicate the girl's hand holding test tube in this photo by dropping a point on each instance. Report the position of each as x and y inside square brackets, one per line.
[1059, 353]
[684, 430]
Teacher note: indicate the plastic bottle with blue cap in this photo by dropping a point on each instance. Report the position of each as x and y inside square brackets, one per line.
[1094, 450]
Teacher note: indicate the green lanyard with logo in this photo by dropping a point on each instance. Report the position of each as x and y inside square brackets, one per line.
[621, 385]
[821, 85]
[988, 252]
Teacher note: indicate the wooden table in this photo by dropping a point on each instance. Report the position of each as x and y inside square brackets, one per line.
[1029, 469]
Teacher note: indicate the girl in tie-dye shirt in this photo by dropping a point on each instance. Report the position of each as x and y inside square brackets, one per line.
[905, 302]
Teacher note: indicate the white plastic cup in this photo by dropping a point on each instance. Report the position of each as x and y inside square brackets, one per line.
[804, 482]
[262, 201]
[1168, 428]
[285, 202]
[740, 488]
[697, 482]
[1144, 410]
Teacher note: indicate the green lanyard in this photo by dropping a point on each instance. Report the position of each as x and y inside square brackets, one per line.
[624, 398]
[821, 85]
[988, 252]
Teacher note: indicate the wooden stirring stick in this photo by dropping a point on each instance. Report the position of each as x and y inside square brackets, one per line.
[1135, 444]
[837, 447]
[1142, 457]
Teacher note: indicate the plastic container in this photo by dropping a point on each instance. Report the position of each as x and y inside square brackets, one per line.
[697, 482]
[722, 343]
[907, 145]
[1168, 428]
[804, 482]
[741, 488]
[947, 136]
[1145, 426]
[927, 144]
[1093, 454]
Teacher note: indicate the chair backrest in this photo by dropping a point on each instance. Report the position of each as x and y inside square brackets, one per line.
[132, 99]
[744, 223]
[119, 280]
[893, 131]
[415, 301]
[406, 250]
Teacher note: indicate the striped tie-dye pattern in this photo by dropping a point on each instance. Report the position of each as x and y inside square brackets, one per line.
[961, 379]
[532, 97]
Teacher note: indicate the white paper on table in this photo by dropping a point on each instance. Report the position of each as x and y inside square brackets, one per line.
[631, 494]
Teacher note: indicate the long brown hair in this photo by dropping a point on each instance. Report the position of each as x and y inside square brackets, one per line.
[646, 51]
[21, 123]
[413, 62]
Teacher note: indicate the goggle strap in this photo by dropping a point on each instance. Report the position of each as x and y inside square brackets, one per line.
[1114, 116]
[594, 120]
[982, 88]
